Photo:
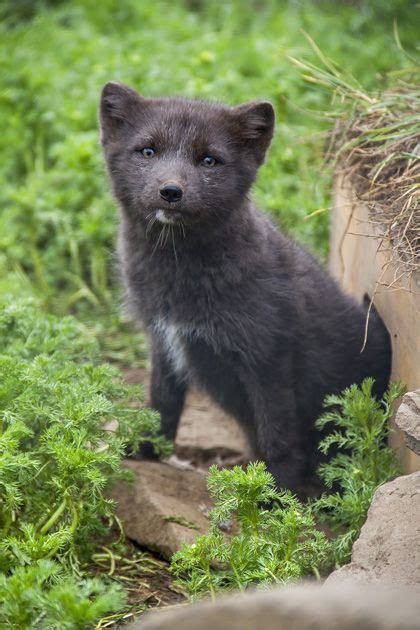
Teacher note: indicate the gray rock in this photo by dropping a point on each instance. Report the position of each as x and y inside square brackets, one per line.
[407, 419]
[388, 548]
[206, 434]
[303, 607]
[164, 507]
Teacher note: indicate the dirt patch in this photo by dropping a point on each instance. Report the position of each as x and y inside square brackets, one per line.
[145, 578]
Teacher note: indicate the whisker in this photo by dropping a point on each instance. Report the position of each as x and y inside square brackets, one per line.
[151, 223]
[162, 235]
[173, 242]
[157, 241]
[167, 235]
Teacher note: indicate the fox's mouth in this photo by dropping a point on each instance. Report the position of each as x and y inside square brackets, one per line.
[168, 217]
[164, 217]
[179, 217]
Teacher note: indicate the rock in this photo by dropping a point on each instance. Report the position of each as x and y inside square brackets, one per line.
[206, 434]
[407, 419]
[388, 548]
[164, 507]
[303, 607]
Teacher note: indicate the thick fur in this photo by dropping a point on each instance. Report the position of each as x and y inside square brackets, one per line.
[229, 303]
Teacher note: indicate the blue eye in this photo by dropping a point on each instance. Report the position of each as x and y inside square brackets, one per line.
[209, 160]
[147, 152]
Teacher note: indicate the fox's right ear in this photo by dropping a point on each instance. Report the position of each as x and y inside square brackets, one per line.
[119, 106]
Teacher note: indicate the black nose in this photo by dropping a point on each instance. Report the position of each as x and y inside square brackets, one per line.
[171, 192]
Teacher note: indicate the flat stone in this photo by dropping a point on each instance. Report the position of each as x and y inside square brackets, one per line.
[407, 419]
[164, 506]
[303, 607]
[388, 548]
[206, 434]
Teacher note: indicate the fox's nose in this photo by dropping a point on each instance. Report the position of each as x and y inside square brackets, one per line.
[171, 192]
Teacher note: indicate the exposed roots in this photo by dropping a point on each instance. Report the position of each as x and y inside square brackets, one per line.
[378, 148]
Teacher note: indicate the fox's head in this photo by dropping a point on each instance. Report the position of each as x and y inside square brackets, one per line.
[174, 161]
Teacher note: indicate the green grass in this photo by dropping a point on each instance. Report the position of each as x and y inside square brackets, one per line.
[57, 242]
[57, 228]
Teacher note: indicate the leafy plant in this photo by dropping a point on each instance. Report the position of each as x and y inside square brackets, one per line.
[59, 453]
[65, 424]
[42, 595]
[27, 332]
[277, 539]
[363, 462]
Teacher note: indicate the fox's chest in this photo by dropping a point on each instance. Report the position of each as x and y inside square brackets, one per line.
[195, 313]
[189, 345]
[185, 288]
[174, 339]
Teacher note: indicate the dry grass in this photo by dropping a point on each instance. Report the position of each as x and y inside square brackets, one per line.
[378, 147]
[145, 578]
[376, 143]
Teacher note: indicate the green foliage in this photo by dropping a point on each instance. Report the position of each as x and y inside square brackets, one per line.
[65, 424]
[363, 462]
[25, 333]
[59, 453]
[277, 539]
[43, 596]
[58, 224]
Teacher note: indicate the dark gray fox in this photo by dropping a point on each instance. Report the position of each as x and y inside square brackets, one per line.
[229, 303]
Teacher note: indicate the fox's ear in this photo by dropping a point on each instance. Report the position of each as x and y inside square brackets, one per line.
[119, 106]
[256, 125]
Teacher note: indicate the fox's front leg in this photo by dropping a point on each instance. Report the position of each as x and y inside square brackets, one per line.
[279, 444]
[279, 436]
[167, 395]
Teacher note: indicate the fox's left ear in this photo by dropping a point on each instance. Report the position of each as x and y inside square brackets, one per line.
[256, 125]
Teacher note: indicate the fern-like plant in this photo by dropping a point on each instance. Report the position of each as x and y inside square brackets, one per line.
[65, 425]
[277, 540]
[43, 595]
[363, 460]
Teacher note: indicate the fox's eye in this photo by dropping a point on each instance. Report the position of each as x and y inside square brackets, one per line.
[209, 160]
[147, 152]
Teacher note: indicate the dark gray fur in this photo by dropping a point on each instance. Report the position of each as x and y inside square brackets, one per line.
[228, 301]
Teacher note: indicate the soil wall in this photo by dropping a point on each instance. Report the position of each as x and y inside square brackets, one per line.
[361, 261]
